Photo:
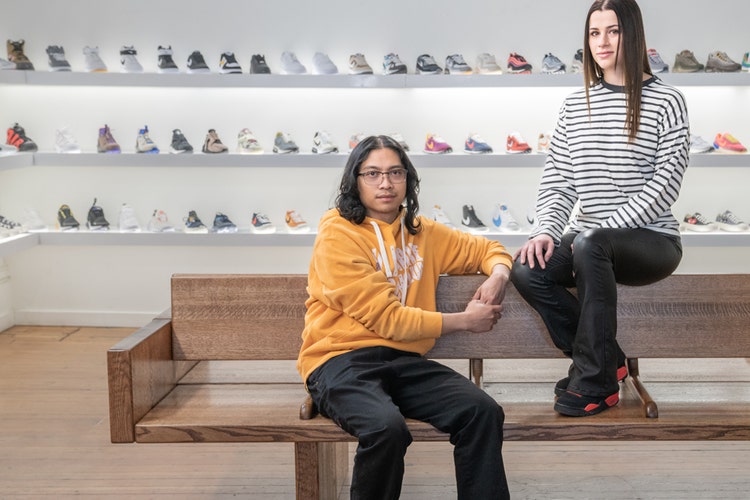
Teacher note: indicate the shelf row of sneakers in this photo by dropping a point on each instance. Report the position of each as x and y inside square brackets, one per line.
[723, 143]
[686, 62]
[502, 219]
[724, 221]
[475, 144]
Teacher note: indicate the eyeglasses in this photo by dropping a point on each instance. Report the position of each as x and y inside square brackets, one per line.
[372, 177]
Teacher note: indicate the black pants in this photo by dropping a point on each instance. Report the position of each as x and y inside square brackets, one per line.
[585, 328]
[369, 392]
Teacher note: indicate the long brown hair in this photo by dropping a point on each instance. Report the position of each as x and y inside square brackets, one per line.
[635, 58]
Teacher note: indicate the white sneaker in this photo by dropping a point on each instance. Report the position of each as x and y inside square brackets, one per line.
[33, 221]
[128, 61]
[65, 142]
[323, 65]
[322, 143]
[503, 220]
[93, 63]
[290, 65]
[699, 145]
[128, 221]
[358, 65]
[487, 65]
[439, 216]
[247, 143]
[399, 139]
[159, 223]
[260, 223]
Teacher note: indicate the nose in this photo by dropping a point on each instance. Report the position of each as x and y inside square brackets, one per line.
[385, 178]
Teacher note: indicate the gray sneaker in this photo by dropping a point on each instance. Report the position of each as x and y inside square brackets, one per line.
[656, 63]
[283, 144]
[685, 62]
[551, 65]
[720, 62]
[290, 65]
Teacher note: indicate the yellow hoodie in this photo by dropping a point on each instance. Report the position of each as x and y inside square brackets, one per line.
[373, 284]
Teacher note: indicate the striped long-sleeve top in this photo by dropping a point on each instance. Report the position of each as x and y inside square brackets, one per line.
[618, 184]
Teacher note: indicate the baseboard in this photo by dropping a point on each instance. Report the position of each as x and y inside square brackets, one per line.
[82, 318]
[6, 321]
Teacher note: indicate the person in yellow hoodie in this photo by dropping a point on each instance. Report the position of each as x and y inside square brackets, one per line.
[371, 319]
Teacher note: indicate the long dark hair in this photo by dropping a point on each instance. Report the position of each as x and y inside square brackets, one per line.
[635, 63]
[348, 200]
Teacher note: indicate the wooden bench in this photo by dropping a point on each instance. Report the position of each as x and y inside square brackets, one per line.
[162, 388]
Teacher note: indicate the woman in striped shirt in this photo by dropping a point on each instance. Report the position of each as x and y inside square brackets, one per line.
[614, 170]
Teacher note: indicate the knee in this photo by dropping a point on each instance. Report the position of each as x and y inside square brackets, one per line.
[590, 242]
[521, 275]
[390, 431]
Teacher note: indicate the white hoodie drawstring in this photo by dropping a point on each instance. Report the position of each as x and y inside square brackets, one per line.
[386, 265]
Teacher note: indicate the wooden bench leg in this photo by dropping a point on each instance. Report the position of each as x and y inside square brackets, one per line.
[476, 367]
[634, 380]
[320, 469]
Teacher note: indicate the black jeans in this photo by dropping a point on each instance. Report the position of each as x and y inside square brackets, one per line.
[368, 393]
[585, 328]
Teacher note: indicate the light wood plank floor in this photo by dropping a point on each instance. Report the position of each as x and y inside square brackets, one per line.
[54, 442]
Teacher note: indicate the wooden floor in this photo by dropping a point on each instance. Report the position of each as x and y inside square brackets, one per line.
[54, 441]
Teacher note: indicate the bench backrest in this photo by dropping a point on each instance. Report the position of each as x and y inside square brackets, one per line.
[256, 317]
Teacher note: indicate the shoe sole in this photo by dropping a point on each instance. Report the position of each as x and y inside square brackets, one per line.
[588, 410]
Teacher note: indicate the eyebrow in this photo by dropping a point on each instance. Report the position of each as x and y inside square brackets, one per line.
[372, 167]
[606, 27]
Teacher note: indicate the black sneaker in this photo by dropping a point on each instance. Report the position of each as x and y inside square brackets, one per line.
[193, 223]
[179, 143]
[17, 137]
[196, 63]
[426, 65]
[65, 219]
[222, 224]
[471, 222]
[57, 61]
[578, 405]
[228, 64]
[562, 385]
[96, 220]
[166, 63]
[258, 65]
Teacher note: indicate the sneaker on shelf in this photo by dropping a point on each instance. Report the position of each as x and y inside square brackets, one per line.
[727, 221]
[393, 65]
[283, 144]
[518, 65]
[503, 220]
[696, 222]
[213, 144]
[355, 139]
[258, 65]
[455, 65]
[222, 224]
[247, 143]
[358, 65]
[193, 223]
[434, 144]
[727, 143]
[439, 216]
[165, 62]
[399, 139]
[471, 222]
[17, 56]
[295, 223]
[10, 227]
[65, 142]
[228, 64]
[474, 144]
[65, 219]
[196, 63]
[699, 145]
[159, 223]
[426, 65]
[322, 64]
[542, 143]
[128, 61]
[685, 62]
[92, 61]
[745, 66]
[57, 61]
[487, 65]
[179, 144]
[16, 136]
[106, 143]
[5, 64]
[290, 65]
[128, 221]
[95, 220]
[144, 144]
[552, 65]
[261, 224]
[720, 62]
[516, 144]
[33, 221]
[655, 62]
[323, 144]
[577, 65]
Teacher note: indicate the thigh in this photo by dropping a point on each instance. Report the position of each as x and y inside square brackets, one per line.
[557, 271]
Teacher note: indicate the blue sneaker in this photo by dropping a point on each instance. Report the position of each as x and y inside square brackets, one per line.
[475, 145]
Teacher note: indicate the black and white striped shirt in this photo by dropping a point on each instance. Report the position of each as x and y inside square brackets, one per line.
[618, 184]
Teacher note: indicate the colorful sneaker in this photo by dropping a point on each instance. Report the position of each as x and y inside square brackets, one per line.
[95, 220]
[322, 64]
[392, 65]
[577, 405]
[33, 221]
[487, 65]
[323, 144]
[261, 224]
[144, 144]
[685, 62]
[455, 65]
[213, 144]
[193, 223]
[516, 144]
[551, 65]
[426, 65]
[726, 143]
[696, 222]
[159, 223]
[17, 56]
[439, 216]
[295, 223]
[228, 64]
[503, 220]
[128, 221]
[699, 145]
[283, 144]
[542, 143]
[258, 65]
[399, 139]
[128, 61]
[106, 143]
[196, 63]
[655, 62]
[355, 139]
[435, 144]
[290, 65]
[720, 62]
[222, 224]
[517, 65]
[179, 144]
[471, 222]
[57, 61]
[65, 142]
[577, 66]
[16, 136]
[746, 62]
[358, 65]
[474, 144]
[165, 62]
[247, 143]
[727, 221]
[92, 61]
[65, 219]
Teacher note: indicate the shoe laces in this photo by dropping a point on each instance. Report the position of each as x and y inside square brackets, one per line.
[730, 217]
[262, 219]
[428, 60]
[295, 217]
[700, 218]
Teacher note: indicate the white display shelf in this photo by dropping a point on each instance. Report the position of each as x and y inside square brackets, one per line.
[16, 160]
[17, 243]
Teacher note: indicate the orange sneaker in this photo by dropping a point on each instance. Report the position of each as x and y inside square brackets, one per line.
[516, 144]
